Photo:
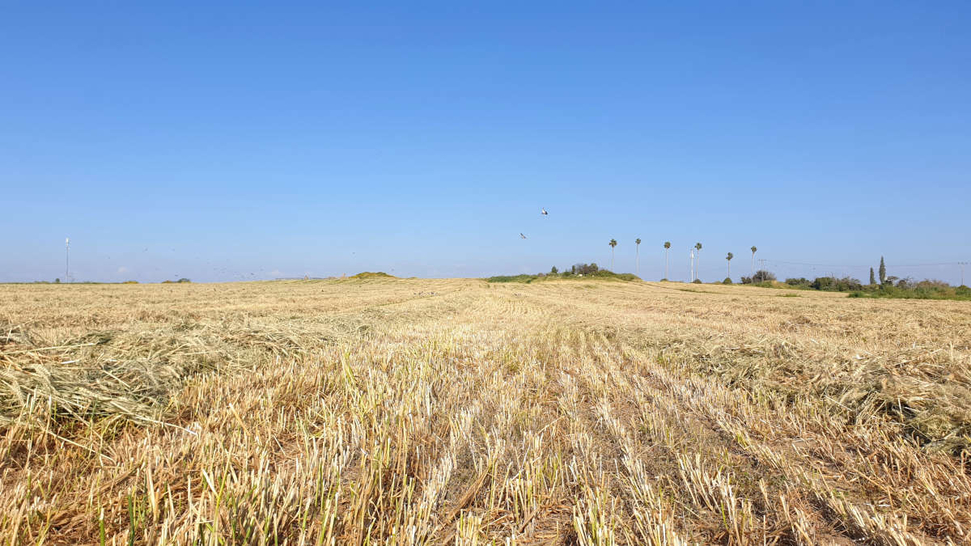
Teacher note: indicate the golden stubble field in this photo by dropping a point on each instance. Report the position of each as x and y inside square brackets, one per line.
[459, 412]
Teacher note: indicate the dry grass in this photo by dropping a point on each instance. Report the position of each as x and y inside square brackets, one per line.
[384, 411]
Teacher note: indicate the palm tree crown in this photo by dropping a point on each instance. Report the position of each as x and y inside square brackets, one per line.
[697, 260]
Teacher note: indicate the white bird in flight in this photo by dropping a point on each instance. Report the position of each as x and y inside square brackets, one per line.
[522, 236]
[543, 212]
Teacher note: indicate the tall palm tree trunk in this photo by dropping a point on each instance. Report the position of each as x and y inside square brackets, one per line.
[665, 263]
[637, 261]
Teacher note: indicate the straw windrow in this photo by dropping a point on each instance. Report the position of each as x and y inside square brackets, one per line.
[399, 411]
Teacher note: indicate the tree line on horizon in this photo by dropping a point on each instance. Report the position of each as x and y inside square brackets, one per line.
[667, 247]
[888, 285]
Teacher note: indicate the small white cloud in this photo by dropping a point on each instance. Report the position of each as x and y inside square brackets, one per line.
[276, 273]
[123, 270]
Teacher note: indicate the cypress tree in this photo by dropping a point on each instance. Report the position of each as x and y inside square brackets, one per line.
[883, 271]
[873, 279]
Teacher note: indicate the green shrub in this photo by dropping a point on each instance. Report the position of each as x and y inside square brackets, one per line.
[762, 276]
[598, 274]
[373, 275]
[607, 274]
[728, 280]
[832, 284]
[584, 269]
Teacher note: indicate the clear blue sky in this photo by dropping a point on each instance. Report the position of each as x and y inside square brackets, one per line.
[220, 141]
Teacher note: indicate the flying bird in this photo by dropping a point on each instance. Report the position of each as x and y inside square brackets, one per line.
[522, 236]
[543, 212]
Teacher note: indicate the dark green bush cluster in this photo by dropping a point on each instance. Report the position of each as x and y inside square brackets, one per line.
[583, 269]
[833, 284]
[760, 276]
[590, 271]
[602, 274]
[828, 284]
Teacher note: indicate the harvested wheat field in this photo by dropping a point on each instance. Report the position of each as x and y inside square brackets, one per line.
[387, 411]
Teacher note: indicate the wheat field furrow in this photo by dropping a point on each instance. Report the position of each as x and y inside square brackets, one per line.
[409, 411]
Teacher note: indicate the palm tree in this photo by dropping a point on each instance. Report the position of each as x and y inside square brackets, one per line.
[754, 250]
[698, 260]
[729, 258]
[612, 243]
[637, 256]
[667, 245]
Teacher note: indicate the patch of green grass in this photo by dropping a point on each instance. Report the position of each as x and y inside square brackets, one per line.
[513, 278]
[961, 293]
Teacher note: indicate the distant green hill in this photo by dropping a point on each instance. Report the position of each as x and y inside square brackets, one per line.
[373, 275]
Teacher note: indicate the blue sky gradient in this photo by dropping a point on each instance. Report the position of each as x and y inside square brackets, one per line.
[227, 141]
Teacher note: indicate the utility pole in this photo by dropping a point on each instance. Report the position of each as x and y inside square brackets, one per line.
[962, 264]
[692, 262]
[67, 259]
